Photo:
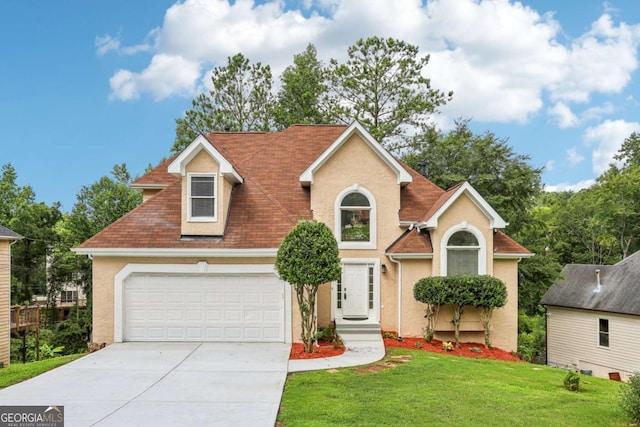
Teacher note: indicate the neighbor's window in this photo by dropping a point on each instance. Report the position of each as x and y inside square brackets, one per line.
[202, 197]
[68, 296]
[463, 252]
[603, 332]
[355, 212]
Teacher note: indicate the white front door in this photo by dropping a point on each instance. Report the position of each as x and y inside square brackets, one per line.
[354, 292]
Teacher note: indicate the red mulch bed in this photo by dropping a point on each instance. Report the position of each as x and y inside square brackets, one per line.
[326, 349]
[465, 350]
[323, 349]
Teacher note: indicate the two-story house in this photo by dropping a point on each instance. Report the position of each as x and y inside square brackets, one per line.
[196, 260]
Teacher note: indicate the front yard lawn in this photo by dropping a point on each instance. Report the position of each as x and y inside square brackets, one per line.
[436, 389]
[17, 372]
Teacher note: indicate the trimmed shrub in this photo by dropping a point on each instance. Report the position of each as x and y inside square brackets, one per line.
[630, 398]
[433, 292]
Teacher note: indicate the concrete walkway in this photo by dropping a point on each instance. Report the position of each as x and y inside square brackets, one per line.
[360, 351]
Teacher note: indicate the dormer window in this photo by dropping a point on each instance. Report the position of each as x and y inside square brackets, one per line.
[356, 219]
[202, 197]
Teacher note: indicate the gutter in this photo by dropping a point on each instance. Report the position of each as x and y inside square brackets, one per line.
[399, 322]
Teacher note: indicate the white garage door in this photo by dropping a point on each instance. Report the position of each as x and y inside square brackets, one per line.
[204, 308]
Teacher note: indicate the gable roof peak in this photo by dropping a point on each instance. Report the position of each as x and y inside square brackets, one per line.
[453, 194]
[403, 177]
[178, 166]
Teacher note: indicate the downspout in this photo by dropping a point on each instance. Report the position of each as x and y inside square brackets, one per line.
[399, 264]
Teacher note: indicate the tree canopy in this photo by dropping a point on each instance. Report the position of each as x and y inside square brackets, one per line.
[504, 178]
[303, 85]
[240, 100]
[382, 85]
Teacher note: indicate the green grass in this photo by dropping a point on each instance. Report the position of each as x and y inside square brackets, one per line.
[435, 389]
[17, 372]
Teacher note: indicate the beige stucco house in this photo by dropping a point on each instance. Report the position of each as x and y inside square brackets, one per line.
[593, 318]
[196, 260]
[6, 238]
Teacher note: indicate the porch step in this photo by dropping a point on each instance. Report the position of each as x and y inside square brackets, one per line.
[358, 330]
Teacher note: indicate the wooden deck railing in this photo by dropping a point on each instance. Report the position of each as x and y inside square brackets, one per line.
[24, 317]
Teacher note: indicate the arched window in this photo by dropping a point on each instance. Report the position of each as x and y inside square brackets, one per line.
[463, 252]
[356, 219]
[355, 216]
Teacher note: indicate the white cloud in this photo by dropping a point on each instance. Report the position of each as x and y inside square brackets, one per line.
[602, 60]
[166, 76]
[573, 157]
[548, 167]
[106, 44]
[562, 115]
[563, 186]
[607, 138]
[499, 57]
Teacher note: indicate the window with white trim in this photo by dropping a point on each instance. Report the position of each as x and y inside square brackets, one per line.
[463, 252]
[355, 216]
[603, 332]
[202, 197]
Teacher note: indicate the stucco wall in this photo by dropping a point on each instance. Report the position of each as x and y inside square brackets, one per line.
[5, 299]
[356, 163]
[504, 325]
[572, 341]
[204, 163]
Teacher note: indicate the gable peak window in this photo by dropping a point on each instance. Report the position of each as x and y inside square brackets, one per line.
[202, 197]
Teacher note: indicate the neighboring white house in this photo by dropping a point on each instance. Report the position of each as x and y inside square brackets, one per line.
[593, 318]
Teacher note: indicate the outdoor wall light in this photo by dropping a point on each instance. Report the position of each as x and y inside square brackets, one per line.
[383, 268]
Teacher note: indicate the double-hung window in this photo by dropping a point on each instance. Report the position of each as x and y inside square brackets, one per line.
[202, 197]
[603, 332]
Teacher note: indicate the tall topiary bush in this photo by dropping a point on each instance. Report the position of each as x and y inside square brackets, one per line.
[308, 257]
[489, 293]
[433, 292]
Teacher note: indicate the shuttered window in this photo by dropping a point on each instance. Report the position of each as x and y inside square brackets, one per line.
[202, 197]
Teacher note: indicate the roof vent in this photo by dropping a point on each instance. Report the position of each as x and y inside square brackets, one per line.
[598, 287]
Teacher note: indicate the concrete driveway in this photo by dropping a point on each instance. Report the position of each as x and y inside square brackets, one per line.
[164, 384]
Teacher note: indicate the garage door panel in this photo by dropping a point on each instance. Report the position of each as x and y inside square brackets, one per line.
[201, 307]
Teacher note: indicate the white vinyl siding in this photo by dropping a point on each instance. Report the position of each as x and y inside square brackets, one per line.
[202, 195]
[573, 339]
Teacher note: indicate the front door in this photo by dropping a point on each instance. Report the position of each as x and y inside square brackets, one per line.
[354, 291]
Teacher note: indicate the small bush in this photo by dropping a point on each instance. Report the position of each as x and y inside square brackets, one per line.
[389, 335]
[418, 344]
[447, 345]
[630, 397]
[572, 381]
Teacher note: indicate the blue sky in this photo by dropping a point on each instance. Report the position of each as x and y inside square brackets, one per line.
[87, 85]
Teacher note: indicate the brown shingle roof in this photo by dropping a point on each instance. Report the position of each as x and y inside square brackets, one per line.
[157, 176]
[411, 242]
[503, 244]
[267, 204]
